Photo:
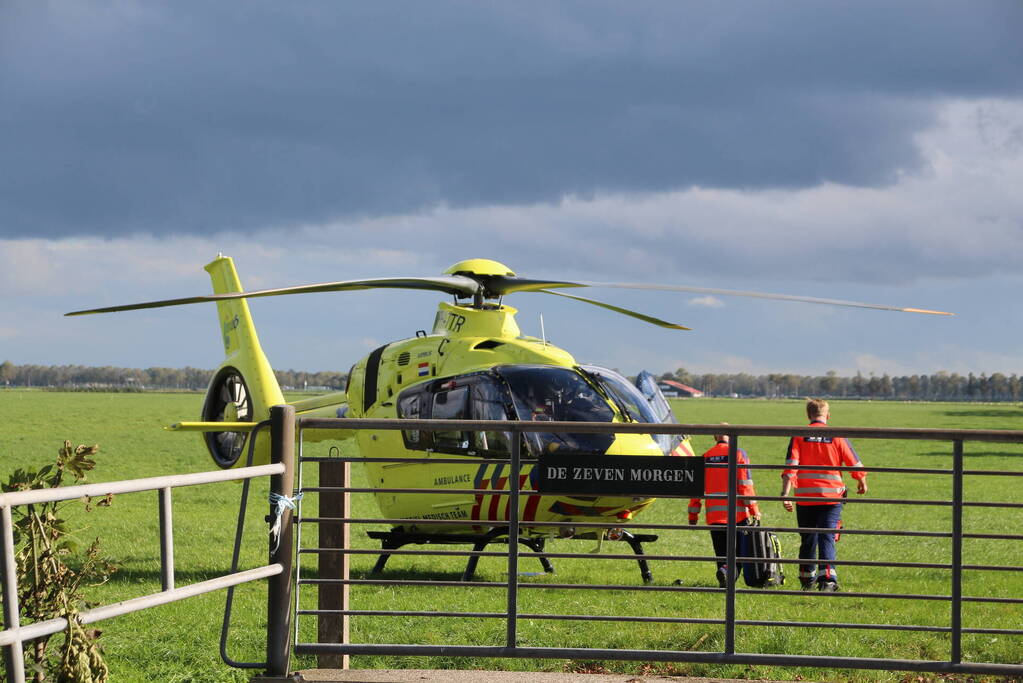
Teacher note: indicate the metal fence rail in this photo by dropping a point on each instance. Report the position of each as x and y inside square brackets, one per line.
[333, 574]
[278, 568]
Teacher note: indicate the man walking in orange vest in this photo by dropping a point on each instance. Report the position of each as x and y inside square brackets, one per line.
[821, 490]
[715, 480]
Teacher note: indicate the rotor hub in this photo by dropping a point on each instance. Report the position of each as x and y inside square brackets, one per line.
[477, 268]
[485, 272]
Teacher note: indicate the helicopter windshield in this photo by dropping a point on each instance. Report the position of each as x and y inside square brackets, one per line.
[554, 394]
[648, 385]
[640, 405]
[628, 396]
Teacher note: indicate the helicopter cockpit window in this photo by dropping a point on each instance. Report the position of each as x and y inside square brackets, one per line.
[546, 393]
[451, 404]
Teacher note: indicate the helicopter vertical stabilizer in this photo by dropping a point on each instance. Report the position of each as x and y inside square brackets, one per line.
[244, 386]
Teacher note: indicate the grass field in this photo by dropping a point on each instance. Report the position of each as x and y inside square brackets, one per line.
[179, 642]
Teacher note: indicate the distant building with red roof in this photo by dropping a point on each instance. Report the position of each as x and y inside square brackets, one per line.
[672, 389]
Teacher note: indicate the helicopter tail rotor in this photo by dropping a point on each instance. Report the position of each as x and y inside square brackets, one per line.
[227, 400]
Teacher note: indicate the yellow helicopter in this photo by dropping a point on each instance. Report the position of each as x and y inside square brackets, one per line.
[474, 364]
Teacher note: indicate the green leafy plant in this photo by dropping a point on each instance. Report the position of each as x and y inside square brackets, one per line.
[53, 570]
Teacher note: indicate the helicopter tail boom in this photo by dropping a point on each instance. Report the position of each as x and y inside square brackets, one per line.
[244, 386]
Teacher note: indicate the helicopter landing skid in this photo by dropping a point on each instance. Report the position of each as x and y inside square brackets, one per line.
[396, 538]
[635, 542]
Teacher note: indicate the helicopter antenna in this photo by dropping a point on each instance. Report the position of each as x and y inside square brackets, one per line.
[543, 334]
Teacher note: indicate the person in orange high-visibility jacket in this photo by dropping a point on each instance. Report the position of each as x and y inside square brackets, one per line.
[820, 489]
[715, 481]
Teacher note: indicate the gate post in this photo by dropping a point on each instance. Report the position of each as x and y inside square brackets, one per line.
[511, 631]
[731, 535]
[957, 552]
[279, 593]
[333, 628]
[14, 657]
[166, 538]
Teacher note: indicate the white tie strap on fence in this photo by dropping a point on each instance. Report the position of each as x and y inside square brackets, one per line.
[280, 504]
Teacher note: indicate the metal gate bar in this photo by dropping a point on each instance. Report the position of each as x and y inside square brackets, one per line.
[632, 526]
[827, 662]
[657, 620]
[513, 546]
[957, 552]
[626, 588]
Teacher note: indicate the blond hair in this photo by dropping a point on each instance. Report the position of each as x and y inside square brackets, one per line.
[721, 438]
[816, 407]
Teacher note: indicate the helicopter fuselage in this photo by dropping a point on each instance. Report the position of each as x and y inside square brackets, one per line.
[476, 365]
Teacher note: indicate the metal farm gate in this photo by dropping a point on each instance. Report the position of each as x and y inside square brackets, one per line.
[333, 549]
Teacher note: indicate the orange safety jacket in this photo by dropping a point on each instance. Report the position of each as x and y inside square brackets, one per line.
[822, 484]
[715, 481]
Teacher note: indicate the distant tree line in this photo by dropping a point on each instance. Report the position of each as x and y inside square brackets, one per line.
[940, 386]
[135, 379]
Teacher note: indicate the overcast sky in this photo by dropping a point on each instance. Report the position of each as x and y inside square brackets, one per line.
[855, 150]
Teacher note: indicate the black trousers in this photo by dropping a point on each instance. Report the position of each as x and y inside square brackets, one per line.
[720, 539]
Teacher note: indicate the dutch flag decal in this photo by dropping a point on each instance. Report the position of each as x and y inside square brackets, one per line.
[424, 369]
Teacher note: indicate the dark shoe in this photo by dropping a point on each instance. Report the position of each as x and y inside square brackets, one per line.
[828, 587]
[721, 578]
[807, 584]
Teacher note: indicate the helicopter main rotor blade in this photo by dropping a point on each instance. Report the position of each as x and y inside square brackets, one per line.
[763, 295]
[450, 284]
[499, 285]
[737, 292]
[616, 309]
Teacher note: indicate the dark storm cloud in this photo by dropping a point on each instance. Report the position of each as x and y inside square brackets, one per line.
[201, 117]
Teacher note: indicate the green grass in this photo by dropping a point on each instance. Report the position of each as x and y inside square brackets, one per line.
[179, 642]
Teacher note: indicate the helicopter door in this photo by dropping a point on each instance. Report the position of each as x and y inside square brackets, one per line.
[440, 400]
[474, 397]
[490, 402]
[410, 407]
[451, 402]
[470, 397]
[478, 397]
